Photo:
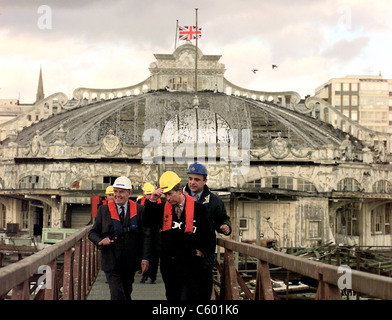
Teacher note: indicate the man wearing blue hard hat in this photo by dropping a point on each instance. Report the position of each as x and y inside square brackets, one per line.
[217, 215]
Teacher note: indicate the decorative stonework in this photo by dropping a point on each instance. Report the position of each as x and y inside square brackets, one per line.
[111, 144]
[279, 148]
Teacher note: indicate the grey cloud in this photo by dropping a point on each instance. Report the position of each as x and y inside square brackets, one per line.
[346, 50]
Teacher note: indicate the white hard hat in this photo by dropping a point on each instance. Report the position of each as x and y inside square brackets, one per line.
[122, 183]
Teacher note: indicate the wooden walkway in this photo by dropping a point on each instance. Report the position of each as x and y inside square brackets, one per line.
[141, 291]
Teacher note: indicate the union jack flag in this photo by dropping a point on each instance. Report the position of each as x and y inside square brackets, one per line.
[188, 32]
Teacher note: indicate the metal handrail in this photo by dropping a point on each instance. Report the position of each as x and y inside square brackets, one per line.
[20, 272]
[369, 284]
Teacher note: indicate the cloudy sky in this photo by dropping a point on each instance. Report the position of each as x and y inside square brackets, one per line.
[110, 44]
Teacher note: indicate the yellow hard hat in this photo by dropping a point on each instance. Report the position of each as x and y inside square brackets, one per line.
[168, 180]
[109, 190]
[148, 188]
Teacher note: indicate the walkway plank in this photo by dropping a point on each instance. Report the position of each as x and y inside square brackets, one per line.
[141, 291]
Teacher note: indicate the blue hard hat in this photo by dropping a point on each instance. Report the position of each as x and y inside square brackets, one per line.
[197, 168]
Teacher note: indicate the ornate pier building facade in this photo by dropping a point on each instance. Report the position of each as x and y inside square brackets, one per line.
[296, 171]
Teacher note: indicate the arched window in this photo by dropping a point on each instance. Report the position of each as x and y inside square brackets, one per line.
[33, 182]
[197, 125]
[349, 184]
[382, 186]
[288, 183]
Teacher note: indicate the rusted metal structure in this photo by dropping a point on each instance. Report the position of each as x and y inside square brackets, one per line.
[368, 284]
[71, 267]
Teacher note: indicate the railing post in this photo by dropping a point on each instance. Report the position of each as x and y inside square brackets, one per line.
[326, 291]
[68, 275]
[21, 291]
[77, 278]
[88, 265]
[263, 290]
[229, 287]
[84, 270]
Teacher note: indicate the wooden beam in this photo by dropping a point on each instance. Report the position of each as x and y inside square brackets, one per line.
[326, 291]
[68, 275]
[229, 288]
[21, 291]
[263, 290]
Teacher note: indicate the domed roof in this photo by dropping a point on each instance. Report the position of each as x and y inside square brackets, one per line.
[128, 117]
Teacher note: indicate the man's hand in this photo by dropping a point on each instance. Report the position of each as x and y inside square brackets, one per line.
[225, 228]
[156, 194]
[105, 242]
[144, 264]
[199, 253]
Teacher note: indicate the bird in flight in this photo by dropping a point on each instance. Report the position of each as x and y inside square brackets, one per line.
[254, 70]
[274, 66]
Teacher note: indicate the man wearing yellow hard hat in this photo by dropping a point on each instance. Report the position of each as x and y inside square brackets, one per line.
[124, 243]
[186, 237]
[148, 189]
[152, 271]
[109, 194]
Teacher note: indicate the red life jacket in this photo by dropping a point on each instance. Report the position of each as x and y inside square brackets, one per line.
[118, 227]
[189, 213]
[114, 213]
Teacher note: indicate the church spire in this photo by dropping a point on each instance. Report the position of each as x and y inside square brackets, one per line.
[40, 91]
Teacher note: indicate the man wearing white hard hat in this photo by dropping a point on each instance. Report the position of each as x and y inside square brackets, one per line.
[124, 243]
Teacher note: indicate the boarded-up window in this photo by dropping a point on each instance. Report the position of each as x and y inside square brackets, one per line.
[314, 230]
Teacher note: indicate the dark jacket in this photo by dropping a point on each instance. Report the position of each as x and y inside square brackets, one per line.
[215, 207]
[175, 243]
[128, 249]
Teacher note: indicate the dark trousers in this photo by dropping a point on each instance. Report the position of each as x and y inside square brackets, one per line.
[184, 280]
[206, 283]
[153, 268]
[120, 282]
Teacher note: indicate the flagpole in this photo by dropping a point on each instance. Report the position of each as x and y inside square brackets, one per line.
[175, 40]
[195, 98]
[196, 55]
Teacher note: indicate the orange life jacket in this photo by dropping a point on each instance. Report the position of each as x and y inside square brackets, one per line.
[114, 213]
[189, 213]
[118, 227]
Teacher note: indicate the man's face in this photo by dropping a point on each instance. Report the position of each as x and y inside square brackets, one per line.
[110, 196]
[121, 196]
[174, 197]
[147, 196]
[196, 182]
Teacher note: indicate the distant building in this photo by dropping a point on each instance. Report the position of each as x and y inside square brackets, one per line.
[11, 108]
[364, 99]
